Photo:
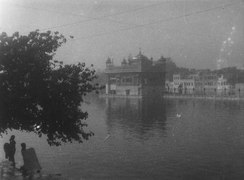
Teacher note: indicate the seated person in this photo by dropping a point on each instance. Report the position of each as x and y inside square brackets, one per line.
[31, 163]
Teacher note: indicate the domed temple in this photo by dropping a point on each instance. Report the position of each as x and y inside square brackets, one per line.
[137, 76]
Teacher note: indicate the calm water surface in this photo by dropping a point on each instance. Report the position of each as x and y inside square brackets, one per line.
[144, 139]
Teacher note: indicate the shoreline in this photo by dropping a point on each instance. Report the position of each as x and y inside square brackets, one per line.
[177, 96]
[229, 98]
[7, 171]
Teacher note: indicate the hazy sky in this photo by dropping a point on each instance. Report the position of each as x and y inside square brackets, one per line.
[194, 33]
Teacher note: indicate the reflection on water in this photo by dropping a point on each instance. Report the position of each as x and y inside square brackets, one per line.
[147, 140]
[140, 117]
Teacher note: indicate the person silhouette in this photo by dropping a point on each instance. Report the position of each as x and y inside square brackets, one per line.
[12, 149]
[6, 150]
[31, 163]
[9, 149]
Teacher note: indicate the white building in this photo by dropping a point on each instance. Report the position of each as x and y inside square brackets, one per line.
[222, 84]
[183, 85]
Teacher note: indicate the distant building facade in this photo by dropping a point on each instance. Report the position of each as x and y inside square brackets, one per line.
[184, 85]
[198, 84]
[209, 83]
[239, 89]
[169, 86]
[222, 86]
[138, 76]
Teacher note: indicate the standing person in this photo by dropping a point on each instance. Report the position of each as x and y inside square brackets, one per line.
[31, 163]
[12, 149]
[6, 150]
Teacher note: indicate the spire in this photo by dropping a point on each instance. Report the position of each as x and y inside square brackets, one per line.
[109, 62]
[140, 56]
[123, 63]
[140, 51]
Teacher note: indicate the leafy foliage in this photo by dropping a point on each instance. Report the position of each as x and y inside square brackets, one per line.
[40, 94]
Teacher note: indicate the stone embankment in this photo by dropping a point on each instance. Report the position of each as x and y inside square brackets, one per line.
[230, 98]
[178, 96]
[8, 172]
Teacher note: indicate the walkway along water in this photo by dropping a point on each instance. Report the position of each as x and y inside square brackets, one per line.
[181, 96]
[185, 96]
[8, 172]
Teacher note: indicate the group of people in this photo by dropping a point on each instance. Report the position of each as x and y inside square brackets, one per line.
[31, 163]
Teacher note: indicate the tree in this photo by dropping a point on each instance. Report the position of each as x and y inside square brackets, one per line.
[40, 94]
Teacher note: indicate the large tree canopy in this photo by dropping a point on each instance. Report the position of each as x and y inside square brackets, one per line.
[40, 94]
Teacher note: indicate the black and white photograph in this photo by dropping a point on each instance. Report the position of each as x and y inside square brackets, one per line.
[121, 89]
